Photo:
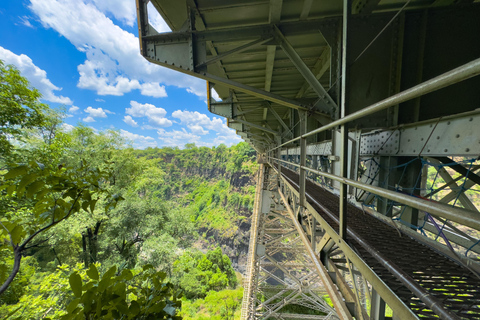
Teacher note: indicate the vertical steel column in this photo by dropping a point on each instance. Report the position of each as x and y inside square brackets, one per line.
[303, 156]
[347, 7]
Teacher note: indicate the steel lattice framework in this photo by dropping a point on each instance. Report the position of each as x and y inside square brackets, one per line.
[284, 274]
[366, 117]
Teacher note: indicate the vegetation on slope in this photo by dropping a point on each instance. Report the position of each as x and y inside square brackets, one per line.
[99, 230]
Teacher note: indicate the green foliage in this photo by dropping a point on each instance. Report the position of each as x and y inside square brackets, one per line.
[197, 273]
[123, 295]
[49, 175]
[221, 305]
[19, 107]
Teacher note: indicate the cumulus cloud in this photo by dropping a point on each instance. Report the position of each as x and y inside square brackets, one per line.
[156, 20]
[139, 141]
[122, 10]
[67, 127]
[113, 64]
[73, 109]
[200, 123]
[36, 76]
[97, 113]
[177, 137]
[156, 116]
[129, 120]
[153, 89]
[89, 119]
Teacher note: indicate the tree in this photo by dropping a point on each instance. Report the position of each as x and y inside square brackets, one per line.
[122, 295]
[19, 107]
[197, 273]
[38, 198]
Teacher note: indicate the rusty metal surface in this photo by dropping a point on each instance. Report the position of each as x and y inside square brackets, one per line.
[455, 286]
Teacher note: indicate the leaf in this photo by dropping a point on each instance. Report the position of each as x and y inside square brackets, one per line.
[17, 234]
[72, 305]
[10, 190]
[33, 188]
[169, 310]
[127, 274]
[15, 172]
[40, 165]
[147, 266]
[24, 182]
[134, 308]
[110, 272]
[92, 272]
[76, 284]
[92, 205]
[85, 206]
[120, 289]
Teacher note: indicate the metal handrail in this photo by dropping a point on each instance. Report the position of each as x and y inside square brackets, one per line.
[456, 75]
[456, 214]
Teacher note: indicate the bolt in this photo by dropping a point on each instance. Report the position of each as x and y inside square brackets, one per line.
[457, 136]
[467, 150]
[445, 150]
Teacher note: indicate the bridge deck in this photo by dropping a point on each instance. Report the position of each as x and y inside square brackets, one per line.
[453, 284]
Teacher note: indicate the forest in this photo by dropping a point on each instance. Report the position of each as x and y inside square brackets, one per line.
[92, 228]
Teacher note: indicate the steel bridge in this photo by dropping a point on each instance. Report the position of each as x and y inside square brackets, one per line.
[365, 116]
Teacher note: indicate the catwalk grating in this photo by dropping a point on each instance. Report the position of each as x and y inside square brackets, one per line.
[455, 286]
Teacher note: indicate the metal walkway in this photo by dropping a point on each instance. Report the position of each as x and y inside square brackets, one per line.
[400, 261]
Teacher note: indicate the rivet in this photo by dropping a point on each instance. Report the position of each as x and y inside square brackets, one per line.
[445, 150]
[467, 150]
[457, 136]
[438, 137]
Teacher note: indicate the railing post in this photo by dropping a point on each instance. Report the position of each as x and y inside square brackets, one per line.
[303, 156]
[344, 128]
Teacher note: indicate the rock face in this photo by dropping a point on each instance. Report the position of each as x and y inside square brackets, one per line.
[234, 246]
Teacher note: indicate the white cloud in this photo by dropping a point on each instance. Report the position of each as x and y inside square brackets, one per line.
[73, 109]
[138, 140]
[24, 20]
[129, 120]
[156, 20]
[123, 10]
[67, 127]
[97, 113]
[155, 116]
[36, 76]
[153, 89]
[177, 137]
[88, 119]
[99, 100]
[201, 124]
[113, 64]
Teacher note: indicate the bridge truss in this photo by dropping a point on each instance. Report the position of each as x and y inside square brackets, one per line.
[367, 113]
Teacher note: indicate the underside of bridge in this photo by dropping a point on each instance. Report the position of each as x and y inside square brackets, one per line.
[366, 118]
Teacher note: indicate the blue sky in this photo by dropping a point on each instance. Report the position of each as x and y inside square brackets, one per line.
[84, 55]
